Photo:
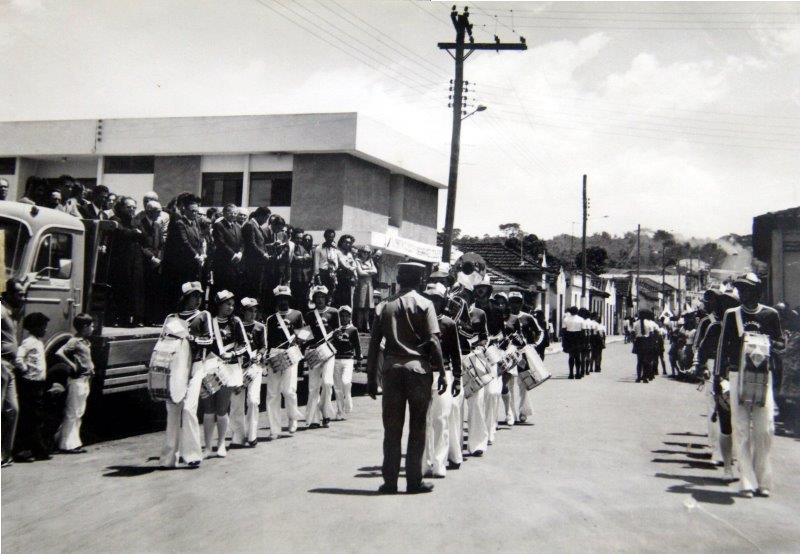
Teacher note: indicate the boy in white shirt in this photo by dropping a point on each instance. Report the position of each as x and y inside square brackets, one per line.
[31, 387]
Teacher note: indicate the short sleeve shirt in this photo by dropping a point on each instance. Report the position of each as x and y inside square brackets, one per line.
[407, 322]
[79, 351]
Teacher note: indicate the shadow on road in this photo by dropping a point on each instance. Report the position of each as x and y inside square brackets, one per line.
[346, 492]
[699, 494]
[689, 463]
[694, 455]
[687, 434]
[130, 471]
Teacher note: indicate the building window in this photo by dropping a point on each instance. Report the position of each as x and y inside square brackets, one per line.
[8, 166]
[221, 188]
[128, 164]
[271, 189]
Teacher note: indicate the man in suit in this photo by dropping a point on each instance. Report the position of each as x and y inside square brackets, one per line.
[96, 208]
[152, 248]
[227, 235]
[254, 254]
[184, 250]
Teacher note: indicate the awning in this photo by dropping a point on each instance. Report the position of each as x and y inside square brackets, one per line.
[406, 247]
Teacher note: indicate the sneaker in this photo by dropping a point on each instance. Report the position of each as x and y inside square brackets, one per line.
[477, 453]
[419, 488]
[7, 462]
[386, 488]
[523, 418]
[221, 451]
[326, 421]
[453, 465]
[763, 492]
[193, 465]
[293, 426]
[253, 443]
[313, 425]
[207, 453]
[747, 494]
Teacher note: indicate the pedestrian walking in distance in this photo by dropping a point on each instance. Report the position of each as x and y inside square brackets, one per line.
[408, 323]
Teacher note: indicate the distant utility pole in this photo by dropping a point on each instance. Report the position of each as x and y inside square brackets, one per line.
[638, 261]
[583, 246]
[463, 27]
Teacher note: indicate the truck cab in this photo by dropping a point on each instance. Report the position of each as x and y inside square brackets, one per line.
[63, 262]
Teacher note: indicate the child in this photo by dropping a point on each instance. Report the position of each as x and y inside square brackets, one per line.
[348, 350]
[77, 353]
[31, 386]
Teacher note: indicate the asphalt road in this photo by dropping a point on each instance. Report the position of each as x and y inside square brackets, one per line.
[607, 465]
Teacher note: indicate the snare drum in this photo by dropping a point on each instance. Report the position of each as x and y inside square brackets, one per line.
[493, 354]
[231, 374]
[211, 384]
[477, 374]
[532, 371]
[277, 362]
[753, 378]
[320, 354]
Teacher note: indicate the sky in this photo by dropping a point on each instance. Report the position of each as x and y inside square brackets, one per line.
[684, 116]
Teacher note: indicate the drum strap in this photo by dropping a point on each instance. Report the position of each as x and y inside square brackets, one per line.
[321, 325]
[739, 323]
[223, 349]
[282, 325]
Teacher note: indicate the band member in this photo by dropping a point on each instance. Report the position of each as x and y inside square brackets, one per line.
[348, 352]
[326, 261]
[753, 424]
[598, 342]
[230, 346]
[473, 337]
[585, 351]
[281, 328]
[645, 346]
[572, 339]
[541, 348]
[442, 439]
[529, 329]
[323, 320]
[407, 322]
[501, 320]
[493, 391]
[182, 438]
[245, 399]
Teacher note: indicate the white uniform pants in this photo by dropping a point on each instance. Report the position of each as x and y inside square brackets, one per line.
[437, 432]
[244, 412]
[182, 438]
[511, 399]
[477, 431]
[282, 384]
[753, 428]
[69, 434]
[343, 385]
[320, 386]
[524, 399]
[491, 401]
[713, 426]
[455, 428]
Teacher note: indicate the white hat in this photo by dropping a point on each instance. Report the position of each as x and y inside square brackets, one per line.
[190, 287]
[223, 295]
[502, 295]
[281, 290]
[248, 302]
[487, 282]
[346, 308]
[515, 294]
[750, 279]
[317, 289]
[435, 289]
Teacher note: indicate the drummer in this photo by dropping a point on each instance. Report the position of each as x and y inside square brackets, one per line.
[245, 400]
[230, 345]
[281, 327]
[348, 352]
[492, 393]
[502, 315]
[443, 433]
[323, 320]
[533, 335]
[182, 438]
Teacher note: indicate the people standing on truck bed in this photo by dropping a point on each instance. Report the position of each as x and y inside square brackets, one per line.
[126, 267]
[184, 253]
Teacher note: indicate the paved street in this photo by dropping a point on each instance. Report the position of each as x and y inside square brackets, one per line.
[607, 465]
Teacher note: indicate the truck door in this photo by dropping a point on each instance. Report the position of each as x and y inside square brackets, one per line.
[57, 285]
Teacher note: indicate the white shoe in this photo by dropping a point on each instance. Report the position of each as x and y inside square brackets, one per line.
[221, 451]
[207, 453]
[763, 492]
[729, 473]
[293, 426]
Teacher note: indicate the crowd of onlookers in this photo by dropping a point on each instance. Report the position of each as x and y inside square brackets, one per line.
[154, 248]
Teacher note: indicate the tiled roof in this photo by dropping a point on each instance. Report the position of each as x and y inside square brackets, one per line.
[498, 256]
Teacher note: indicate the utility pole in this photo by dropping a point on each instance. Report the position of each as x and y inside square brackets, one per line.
[638, 261]
[583, 248]
[463, 28]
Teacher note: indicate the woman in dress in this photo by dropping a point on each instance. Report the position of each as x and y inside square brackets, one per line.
[363, 301]
[345, 272]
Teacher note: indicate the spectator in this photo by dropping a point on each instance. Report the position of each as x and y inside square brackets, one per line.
[75, 195]
[53, 201]
[33, 372]
[184, 254]
[77, 354]
[301, 268]
[241, 216]
[35, 189]
[111, 201]
[277, 268]
[326, 261]
[10, 307]
[345, 273]
[213, 215]
[363, 298]
[254, 254]
[126, 266]
[3, 189]
[152, 249]
[94, 209]
[227, 235]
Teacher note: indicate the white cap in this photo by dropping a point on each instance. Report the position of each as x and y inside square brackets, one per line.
[317, 289]
[281, 290]
[435, 289]
[223, 295]
[346, 308]
[248, 302]
[514, 294]
[191, 286]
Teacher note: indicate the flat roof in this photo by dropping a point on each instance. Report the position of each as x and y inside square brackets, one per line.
[346, 132]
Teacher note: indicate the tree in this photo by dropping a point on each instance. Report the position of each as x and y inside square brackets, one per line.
[663, 236]
[596, 257]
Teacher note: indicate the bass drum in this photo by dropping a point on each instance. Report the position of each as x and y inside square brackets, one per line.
[169, 369]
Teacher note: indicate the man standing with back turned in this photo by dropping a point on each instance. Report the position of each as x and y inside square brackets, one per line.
[407, 321]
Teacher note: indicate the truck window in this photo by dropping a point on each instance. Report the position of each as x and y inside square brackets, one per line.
[16, 237]
[54, 248]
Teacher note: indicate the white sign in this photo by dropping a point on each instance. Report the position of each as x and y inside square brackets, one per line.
[406, 247]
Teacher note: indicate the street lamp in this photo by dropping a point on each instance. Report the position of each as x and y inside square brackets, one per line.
[480, 108]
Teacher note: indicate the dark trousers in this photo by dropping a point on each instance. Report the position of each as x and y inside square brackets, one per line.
[31, 416]
[401, 385]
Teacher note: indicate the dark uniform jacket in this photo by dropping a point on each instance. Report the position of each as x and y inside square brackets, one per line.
[276, 338]
[345, 341]
[451, 350]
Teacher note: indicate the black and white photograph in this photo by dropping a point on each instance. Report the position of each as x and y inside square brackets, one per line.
[399, 276]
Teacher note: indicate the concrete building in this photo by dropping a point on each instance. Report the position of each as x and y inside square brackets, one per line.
[776, 242]
[340, 170]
